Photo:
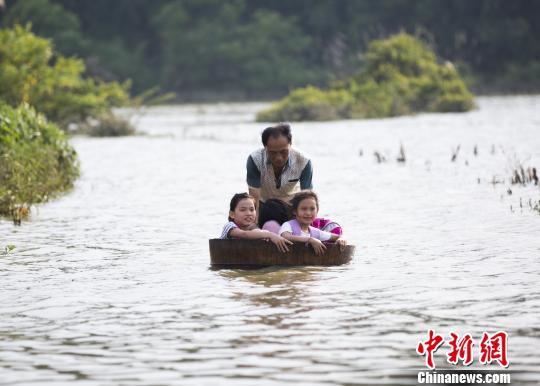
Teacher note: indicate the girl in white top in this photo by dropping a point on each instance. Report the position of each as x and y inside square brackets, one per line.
[305, 206]
[241, 223]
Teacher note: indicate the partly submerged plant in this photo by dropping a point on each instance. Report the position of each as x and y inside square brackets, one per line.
[7, 249]
[36, 160]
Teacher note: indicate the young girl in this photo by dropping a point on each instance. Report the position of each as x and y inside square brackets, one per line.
[274, 212]
[241, 223]
[305, 206]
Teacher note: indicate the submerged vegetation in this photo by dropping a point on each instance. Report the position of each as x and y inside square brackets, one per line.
[7, 249]
[108, 125]
[36, 161]
[400, 76]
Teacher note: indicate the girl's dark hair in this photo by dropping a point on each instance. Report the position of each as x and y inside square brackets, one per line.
[283, 129]
[236, 199]
[298, 197]
[274, 209]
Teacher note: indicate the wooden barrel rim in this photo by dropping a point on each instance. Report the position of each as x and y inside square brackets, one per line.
[261, 253]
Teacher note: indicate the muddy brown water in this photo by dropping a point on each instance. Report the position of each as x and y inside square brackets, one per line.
[110, 285]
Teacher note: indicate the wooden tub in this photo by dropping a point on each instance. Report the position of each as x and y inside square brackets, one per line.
[259, 253]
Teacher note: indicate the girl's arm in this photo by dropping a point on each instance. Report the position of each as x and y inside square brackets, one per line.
[298, 239]
[334, 237]
[257, 234]
[253, 234]
[317, 245]
[338, 240]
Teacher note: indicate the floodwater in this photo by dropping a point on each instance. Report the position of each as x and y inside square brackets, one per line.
[110, 284]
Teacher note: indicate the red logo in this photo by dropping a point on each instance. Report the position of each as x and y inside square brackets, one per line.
[428, 347]
[492, 348]
[461, 349]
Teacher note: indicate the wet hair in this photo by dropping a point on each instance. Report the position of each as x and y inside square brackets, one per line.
[302, 195]
[283, 129]
[274, 209]
[236, 199]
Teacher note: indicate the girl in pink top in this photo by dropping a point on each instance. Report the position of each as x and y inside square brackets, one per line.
[305, 208]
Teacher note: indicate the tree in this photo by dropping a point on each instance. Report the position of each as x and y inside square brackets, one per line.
[211, 45]
[49, 20]
[52, 84]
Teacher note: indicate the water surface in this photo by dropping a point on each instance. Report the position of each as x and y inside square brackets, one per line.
[110, 285]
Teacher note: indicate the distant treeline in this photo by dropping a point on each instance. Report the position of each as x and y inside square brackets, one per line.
[203, 49]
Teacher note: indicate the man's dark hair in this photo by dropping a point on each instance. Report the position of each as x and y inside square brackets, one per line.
[283, 129]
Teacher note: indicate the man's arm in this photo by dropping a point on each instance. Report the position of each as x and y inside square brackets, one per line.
[306, 176]
[253, 179]
[256, 193]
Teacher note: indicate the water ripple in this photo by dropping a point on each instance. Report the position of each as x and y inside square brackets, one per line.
[110, 285]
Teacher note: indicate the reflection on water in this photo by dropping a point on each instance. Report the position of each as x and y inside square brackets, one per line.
[278, 289]
[110, 285]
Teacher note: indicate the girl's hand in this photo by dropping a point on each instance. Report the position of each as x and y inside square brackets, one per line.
[317, 245]
[342, 244]
[280, 242]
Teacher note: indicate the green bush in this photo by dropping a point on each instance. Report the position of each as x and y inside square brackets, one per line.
[36, 161]
[54, 85]
[400, 76]
[310, 104]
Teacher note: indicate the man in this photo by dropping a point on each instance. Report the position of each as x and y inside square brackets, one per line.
[277, 170]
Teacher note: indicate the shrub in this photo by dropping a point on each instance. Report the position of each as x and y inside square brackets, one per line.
[310, 103]
[109, 125]
[400, 76]
[36, 161]
[54, 85]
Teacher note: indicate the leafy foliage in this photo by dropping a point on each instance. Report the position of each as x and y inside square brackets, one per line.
[245, 48]
[53, 85]
[50, 20]
[400, 76]
[310, 104]
[36, 161]
[219, 50]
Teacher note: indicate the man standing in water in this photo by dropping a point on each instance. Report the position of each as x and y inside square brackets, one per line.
[277, 170]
